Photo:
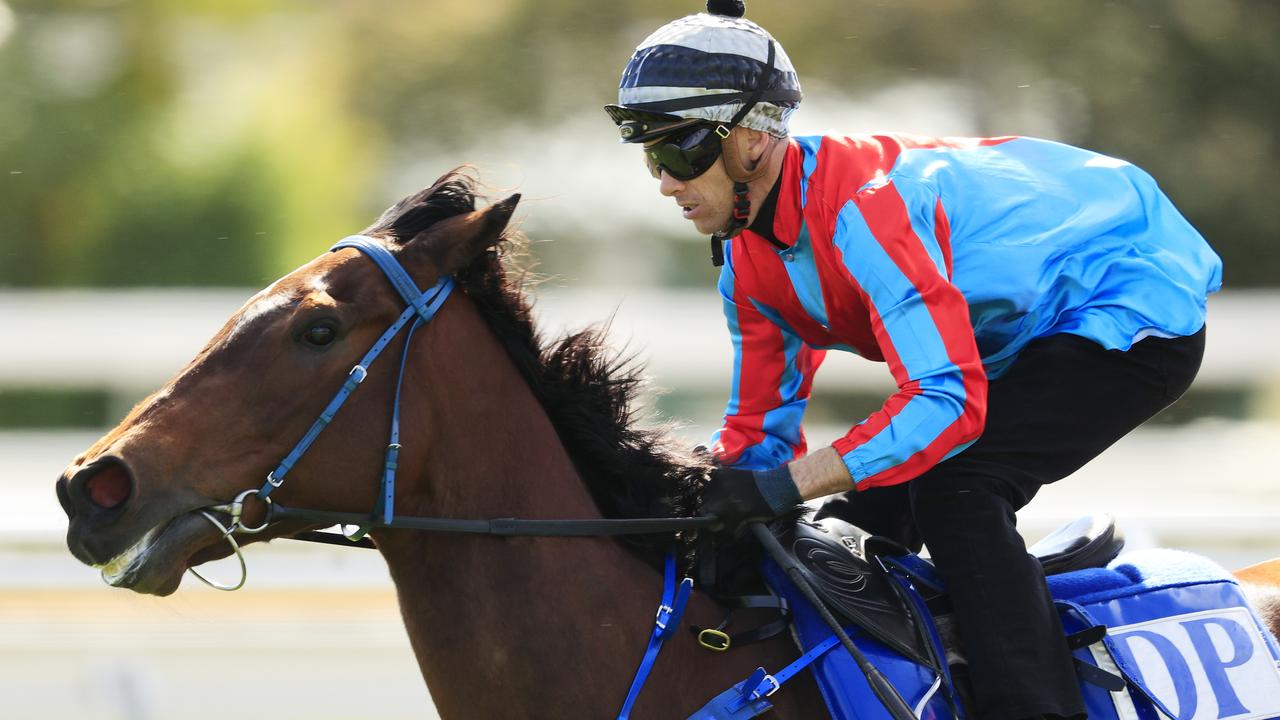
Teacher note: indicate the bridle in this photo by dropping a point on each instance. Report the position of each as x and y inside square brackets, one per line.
[421, 308]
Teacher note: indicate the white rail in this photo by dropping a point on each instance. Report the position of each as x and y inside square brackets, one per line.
[132, 340]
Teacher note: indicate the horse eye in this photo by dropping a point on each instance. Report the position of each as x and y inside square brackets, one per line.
[319, 335]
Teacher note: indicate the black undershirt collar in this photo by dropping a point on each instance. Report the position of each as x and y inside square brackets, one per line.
[763, 224]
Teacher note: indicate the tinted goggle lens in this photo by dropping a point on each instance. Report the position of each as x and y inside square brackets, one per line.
[684, 156]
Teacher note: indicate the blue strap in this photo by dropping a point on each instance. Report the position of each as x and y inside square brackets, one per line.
[917, 569]
[748, 698]
[387, 498]
[674, 599]
[1130, 674]
[422, 307]
[390, 267]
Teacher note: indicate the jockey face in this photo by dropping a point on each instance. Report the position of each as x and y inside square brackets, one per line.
[706, 200]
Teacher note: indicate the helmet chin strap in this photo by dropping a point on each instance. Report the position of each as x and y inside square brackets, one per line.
[741, 175]
[736, 168]
[737, 221]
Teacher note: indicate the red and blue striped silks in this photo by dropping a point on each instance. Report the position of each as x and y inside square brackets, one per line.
[943, 258]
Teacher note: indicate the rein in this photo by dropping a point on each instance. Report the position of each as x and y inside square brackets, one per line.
[422, 307]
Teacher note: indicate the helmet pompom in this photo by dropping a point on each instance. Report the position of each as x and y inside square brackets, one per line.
[731, 8]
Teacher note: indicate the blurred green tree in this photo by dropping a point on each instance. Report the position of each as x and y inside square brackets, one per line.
[219, 143]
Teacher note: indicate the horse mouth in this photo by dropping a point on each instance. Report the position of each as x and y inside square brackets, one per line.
[155, 563]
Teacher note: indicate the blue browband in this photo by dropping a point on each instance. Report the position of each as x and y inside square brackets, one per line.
[422, 307]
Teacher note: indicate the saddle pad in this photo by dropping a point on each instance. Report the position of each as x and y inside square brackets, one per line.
[1180, 631]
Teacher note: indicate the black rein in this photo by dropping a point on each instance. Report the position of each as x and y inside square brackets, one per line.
[507, 527]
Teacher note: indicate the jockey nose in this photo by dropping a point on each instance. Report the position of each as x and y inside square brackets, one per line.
[668, 185]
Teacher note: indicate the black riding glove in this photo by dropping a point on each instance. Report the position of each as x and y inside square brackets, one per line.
[740, 496]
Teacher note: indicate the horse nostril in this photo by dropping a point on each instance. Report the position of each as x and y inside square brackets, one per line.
[64, 497]
[109, 486]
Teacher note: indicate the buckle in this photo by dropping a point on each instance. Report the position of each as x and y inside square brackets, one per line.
[713, 639]
[723, 132]
[664, 614]
[359, 372]
[756, 694]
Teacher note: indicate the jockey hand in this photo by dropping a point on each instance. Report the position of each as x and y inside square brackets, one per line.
[703, 454]
[738, 496]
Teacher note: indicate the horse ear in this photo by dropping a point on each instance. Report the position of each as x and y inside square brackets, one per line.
[449, 245]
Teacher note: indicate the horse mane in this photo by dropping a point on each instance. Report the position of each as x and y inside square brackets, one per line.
[587, 390]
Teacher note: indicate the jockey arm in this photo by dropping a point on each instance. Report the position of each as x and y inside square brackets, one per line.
[921, 324]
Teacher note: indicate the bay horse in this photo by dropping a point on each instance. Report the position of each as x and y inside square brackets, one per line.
[498, 422]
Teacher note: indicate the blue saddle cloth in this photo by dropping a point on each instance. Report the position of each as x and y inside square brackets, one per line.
[1180, 631]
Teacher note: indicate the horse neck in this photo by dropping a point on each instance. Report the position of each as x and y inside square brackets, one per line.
[530, 627]
[492, 620]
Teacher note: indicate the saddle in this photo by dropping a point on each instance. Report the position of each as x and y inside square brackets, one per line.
[843, 564]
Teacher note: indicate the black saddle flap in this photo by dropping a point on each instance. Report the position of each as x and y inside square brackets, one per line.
[833, 557]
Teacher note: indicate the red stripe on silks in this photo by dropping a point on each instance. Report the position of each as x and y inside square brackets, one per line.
[807, 363]
[907, 389]
[788, 219]
[787, 216]
[846, 311]
[993, 141]
[942, 233]
[763, 361]
[761, 365]
[770, 283]
[845, 164]
[887, 216]
[909, 141]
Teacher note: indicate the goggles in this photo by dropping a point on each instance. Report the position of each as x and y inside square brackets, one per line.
[687, 154]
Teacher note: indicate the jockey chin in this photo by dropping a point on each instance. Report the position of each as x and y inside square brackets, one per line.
[1033, 301]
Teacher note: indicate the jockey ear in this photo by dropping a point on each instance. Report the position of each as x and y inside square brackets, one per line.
[449, 245]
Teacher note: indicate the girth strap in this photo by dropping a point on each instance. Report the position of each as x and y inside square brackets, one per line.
[674, 599]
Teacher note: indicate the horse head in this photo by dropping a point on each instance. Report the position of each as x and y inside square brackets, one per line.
[135, 499]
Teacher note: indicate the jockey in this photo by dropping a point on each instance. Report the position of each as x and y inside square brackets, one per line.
[1033, 301]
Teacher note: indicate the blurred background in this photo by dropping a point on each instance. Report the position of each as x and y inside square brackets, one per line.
[161, 160]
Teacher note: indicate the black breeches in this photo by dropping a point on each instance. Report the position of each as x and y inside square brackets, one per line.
[1064, 401]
